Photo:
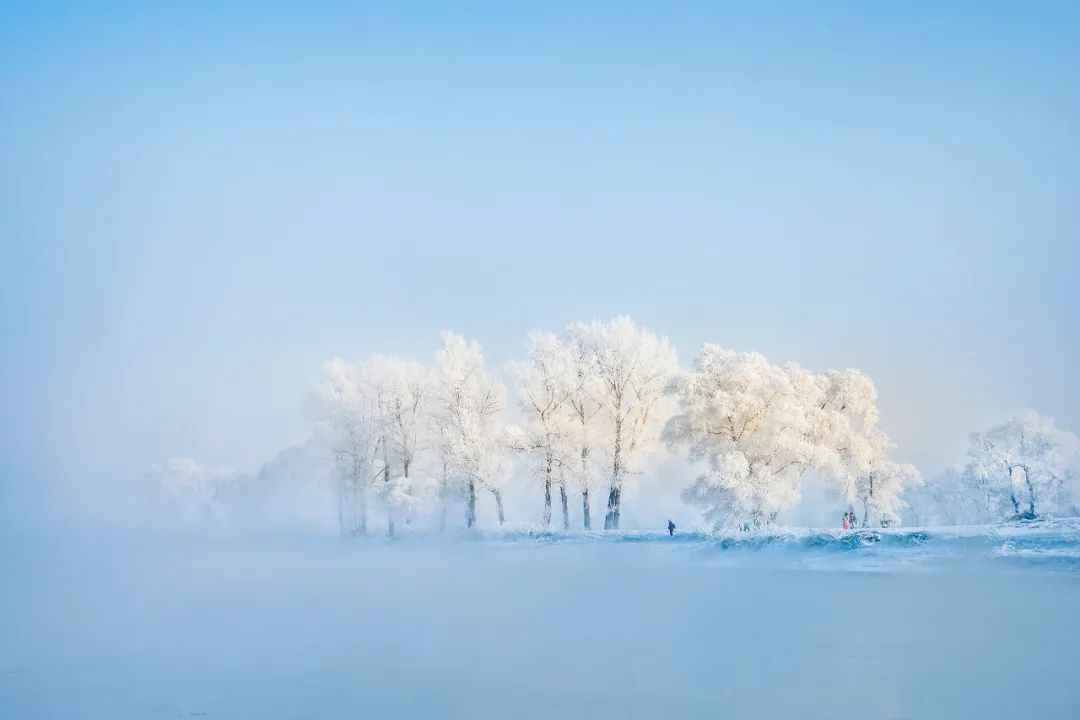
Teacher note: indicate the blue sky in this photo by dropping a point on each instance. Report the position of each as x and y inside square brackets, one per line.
[197, 208]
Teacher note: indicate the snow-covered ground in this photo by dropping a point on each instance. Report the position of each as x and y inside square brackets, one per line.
[911, 623]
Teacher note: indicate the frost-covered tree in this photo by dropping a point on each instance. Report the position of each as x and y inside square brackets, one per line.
[371, 416]
[761, 427]
[855, 451]
[747, 419]
[544, 385]
[867, 473]
[468, 413]
[880, 486]
[400, 390]
[348, 424]
[632, 367]
[585, 410]
[842, 414]
[1023, 467]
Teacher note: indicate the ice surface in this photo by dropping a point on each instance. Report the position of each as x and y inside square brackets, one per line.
[914, 623]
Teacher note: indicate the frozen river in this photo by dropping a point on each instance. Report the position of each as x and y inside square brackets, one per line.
[904, 625]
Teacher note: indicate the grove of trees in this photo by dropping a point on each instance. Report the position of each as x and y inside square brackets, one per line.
[589, 406]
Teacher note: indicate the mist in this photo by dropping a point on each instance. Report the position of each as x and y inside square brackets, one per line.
[314, 319]
[313, 627]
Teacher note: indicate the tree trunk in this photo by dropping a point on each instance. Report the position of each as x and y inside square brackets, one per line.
[1012, 492]
[867, 502]
[565, 510]
[386, 480]
[547, 494]
[611, 519]
[1031, 493]
[470, 504]
[586, 517]
[499, 506]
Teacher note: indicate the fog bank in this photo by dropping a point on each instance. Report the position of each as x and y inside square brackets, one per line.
[128, 627]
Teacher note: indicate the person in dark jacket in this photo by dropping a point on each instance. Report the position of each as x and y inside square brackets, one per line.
[670, 528]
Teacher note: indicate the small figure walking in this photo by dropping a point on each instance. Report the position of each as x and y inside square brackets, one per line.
[847, 523]
[670, 528]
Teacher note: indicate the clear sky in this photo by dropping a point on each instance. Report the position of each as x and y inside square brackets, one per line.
[198, 207]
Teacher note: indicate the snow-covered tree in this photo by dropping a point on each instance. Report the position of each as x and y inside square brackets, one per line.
[842, 415]
[632, 368]
[844, 422]
[881, 488]
[747, 419]
[761, 427]
[347, 423]
[444, 435]
[371, 416]
[585, 410]
[400, 391]
[468, 414]
[544, 384]
[1023, 467]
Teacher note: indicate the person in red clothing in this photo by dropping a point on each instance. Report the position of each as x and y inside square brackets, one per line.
[847, 522]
